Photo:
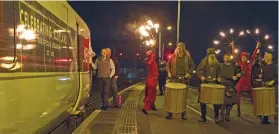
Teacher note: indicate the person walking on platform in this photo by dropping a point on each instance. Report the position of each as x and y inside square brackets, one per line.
[209, 71]
[244, 84]
[228, 80]
[270, 79]
[162, 77]
[105, 71]
[151, 82]
[113, 80]
[180, 64]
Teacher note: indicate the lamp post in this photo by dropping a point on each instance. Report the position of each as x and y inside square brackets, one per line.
[178, 21]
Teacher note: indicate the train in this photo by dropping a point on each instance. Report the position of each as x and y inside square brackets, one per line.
[44, 64]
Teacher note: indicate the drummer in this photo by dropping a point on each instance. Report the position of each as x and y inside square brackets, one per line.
[270, 78]
[209, 71]
[180, 64]
[228, 80]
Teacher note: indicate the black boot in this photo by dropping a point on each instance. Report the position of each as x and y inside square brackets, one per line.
[144, 111]
[154, 108]
[203, 113]
[216, 112]
[238, 112]
[183, 115]
[169, 116]
[104, 107]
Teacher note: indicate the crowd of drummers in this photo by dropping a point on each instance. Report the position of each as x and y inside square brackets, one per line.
[236, 75]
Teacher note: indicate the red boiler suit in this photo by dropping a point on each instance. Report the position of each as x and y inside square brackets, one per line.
[151, 82]
[244, 84]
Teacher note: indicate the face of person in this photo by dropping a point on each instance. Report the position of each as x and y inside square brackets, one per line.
[108, 52]
[244, 58]
[103, 52]
[212, 56]
[180, 48]
[268, 57]
[212, 59]
[226, 58]
[148, 53]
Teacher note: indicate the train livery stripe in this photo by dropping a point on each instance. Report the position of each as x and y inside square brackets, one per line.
[28, 75]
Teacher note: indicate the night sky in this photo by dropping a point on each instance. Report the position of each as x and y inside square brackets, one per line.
[201, 22]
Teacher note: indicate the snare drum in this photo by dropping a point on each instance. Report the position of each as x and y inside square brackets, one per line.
[264, 101]
[212, 94]
[175, 97]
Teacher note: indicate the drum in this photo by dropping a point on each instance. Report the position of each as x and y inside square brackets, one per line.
[264, 101]
[212, 94]
[175, 97]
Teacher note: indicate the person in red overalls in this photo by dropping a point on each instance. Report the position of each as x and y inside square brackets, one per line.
[244, 84]
[151, 82]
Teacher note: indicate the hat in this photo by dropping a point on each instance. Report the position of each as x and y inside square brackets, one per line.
[245, 54]
[227, 54]
[211, 51]
[181, 44]
[270, 51]
[149, 48]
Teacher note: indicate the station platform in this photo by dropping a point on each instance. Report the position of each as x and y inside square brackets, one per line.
[130, 120]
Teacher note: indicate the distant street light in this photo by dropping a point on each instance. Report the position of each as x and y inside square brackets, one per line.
[270, 47]
[169, 28]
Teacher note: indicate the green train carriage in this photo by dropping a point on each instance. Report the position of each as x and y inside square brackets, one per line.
[44, 68]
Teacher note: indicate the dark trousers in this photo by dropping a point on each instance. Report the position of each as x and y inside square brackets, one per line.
[104, 85]
[113, 88]
[162, 86]
[203, 110]
[265, 118]
[225, 111]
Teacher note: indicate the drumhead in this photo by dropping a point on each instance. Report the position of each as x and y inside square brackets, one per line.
[212, 85]
[264, 88]
[176, 85]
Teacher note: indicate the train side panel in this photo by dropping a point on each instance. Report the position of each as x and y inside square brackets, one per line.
[39, 76]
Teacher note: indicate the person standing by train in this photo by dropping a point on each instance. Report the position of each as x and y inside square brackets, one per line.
[113, 80]
[228, 80]
[209, 71]
[180, 64]
[270, 79]
[151, 81]
[105, 71]
[244, 84]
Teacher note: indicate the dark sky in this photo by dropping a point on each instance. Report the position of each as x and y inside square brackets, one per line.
[200, 22]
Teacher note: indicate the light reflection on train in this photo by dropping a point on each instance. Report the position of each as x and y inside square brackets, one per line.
[44, 66]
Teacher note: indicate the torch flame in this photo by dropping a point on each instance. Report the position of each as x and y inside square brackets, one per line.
[216, 42]
[266, 37]
[241, 33]
[231, 30]
[222, 34]
[236, 51]
[257, 31]
[248, 31]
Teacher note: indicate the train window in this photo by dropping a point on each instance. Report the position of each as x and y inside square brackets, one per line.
[43, 40]
[7, 37]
